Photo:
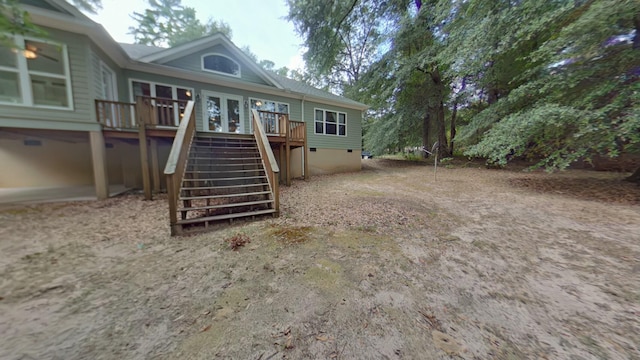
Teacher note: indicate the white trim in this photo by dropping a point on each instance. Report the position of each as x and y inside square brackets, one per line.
[324, 122]
[114, 80]
[224, 122]
[24, 75]
[152, 88]
[239, 75]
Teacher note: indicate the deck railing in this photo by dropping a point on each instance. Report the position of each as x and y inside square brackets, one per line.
[297, 130]
[116, 115]
[277, 123]
[270, 164]
[154, 111]
[177, 162]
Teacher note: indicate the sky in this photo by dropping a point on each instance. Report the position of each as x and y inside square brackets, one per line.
[259, 24]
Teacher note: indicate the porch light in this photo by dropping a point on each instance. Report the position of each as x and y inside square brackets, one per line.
[29, 54]
[258, 103]
[188, 93]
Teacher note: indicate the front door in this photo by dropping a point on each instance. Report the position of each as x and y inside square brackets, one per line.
[222, 112]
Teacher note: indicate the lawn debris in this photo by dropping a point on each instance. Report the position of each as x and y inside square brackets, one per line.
[238, 241]
[291, 234]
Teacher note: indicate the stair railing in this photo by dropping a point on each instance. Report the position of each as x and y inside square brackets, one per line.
[273, 171]
[177, 162]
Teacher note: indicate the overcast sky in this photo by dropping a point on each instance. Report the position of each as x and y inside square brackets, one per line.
[260, 24]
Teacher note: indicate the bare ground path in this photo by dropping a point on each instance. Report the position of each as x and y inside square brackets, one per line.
[384, 263]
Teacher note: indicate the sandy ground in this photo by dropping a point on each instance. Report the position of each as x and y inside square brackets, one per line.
[382, 264]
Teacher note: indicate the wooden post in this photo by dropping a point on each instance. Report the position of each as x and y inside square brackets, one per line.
[144, 158]
[155, 166]
[288, 150]
[307, 176]
[99, 160]
[283, 169]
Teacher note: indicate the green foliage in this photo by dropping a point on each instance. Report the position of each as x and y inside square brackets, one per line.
[581, 94]
[168, 23]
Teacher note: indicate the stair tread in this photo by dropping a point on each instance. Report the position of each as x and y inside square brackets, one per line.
[223, 196]
[224, 158]
[222, 206]
[230, 166]
[229, 179]
[221, 171]
[223, 187]
[225, 216]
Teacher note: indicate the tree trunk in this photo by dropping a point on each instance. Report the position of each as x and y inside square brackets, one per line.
[454, 114]
[425, 135]
[635, 177]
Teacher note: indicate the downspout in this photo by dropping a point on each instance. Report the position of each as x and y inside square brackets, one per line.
[304, 153]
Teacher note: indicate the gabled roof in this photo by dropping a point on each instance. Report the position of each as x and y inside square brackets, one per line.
[169, 54]
[137, 51]
[63, 16]
[306, 89]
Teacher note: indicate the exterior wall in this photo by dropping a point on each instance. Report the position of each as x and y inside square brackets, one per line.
[53, 163]
[193, 62]
[82, 116]
[352, 141]
[329, 161]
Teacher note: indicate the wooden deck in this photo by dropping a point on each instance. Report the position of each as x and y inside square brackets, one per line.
[149, 119]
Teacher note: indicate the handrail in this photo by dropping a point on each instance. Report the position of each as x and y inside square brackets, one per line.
[270, 164]
[177, 162]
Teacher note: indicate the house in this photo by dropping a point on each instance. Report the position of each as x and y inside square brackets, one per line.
[72, 107]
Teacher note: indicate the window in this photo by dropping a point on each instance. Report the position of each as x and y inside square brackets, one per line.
[35, 73]
[270, 122]
[167, 113]
[221, 64]
[330, 122]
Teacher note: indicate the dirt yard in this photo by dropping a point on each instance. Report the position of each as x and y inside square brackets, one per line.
[382, 264]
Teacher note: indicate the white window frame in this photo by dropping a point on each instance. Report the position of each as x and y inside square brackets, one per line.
[24, 75]
[263, 101]
[220, 72]
[324, 122]
[152, 89]
[113, 79]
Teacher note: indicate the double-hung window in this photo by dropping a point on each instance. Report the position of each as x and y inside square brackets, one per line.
[35, 73]
[330, 122]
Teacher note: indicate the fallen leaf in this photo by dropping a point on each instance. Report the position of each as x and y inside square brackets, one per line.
[205, 328]
[322, 338]
[289, 343]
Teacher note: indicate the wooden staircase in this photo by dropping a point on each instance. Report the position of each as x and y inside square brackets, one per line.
[224, 179]
[219, 177]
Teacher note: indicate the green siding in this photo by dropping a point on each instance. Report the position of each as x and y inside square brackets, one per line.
[353, 140]
[193, 62]
[82, 112]
[295, 107]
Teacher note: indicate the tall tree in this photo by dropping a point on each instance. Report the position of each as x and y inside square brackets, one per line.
[168, 23]
[580, 94]
[342, 37]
